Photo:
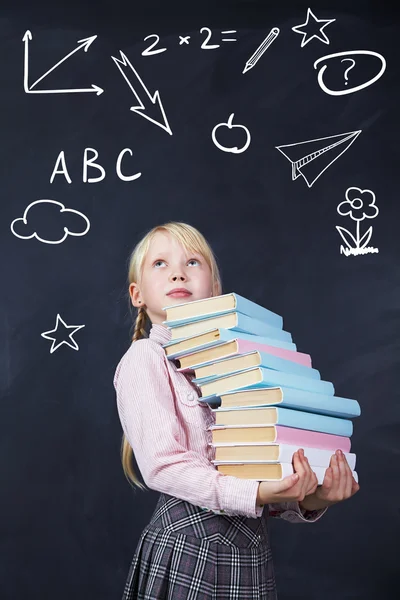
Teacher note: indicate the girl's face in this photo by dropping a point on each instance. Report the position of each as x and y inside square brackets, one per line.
[168, 266]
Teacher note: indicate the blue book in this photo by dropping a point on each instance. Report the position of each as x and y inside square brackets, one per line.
[231, 365]
[261, 377]
[213, 337]
[274, 415]
[186, 312]
[234, 321]
[334, 406]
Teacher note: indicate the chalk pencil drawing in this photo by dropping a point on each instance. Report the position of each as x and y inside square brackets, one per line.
[306, 29]
[265, 44]
[229, 125]
[348, 54]
[359, 205]
[22, 229]
[83, 44]
[147, 102]
[311, 158]
[47, 335]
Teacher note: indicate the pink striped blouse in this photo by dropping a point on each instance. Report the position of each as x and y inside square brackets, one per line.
[167, 428]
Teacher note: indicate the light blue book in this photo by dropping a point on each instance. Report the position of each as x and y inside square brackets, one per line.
[266, 360]
[271, 378]
[334, 406]
[234, 321]
[286, 417]
[208, 307]
[222, 336]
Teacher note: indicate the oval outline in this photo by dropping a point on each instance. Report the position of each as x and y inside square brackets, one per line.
[358, 87]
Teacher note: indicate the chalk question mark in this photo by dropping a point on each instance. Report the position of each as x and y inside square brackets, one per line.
[349, 68]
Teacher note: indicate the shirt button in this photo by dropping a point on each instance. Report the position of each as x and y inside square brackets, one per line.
[190, 396]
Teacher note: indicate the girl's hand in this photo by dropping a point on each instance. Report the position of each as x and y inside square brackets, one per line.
[292, 488]
[339, 484]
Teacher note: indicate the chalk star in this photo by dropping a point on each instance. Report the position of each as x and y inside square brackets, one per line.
[184, 39]
[72, 345]
[305, 40]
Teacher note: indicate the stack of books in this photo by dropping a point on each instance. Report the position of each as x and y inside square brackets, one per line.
[267, 398]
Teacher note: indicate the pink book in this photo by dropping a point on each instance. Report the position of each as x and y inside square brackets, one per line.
[288, 435]
[298, 357]
[244, 346]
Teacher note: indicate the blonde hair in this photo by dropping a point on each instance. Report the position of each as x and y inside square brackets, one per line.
[193, 241]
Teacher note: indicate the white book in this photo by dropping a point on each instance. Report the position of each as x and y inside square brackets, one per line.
[276, 452]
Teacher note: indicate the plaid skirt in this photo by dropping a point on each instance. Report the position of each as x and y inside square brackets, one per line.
[190, 553]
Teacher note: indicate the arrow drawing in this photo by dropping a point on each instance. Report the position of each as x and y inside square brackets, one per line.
[144, 105]
[303, 155]
[82, 44]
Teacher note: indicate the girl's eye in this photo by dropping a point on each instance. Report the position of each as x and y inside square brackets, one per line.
[189, 261]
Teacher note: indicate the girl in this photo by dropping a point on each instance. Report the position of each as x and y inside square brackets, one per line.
[207, 538]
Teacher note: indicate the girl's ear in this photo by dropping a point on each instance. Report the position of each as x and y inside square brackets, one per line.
[134, 294]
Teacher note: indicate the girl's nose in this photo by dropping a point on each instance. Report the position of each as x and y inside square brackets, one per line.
[176, 276]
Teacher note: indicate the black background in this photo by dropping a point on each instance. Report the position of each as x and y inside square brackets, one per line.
[69, 520]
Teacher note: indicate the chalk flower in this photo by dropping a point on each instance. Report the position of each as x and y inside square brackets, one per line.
[359, 204]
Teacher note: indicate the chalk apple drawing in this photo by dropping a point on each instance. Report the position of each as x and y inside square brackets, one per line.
[235, 149]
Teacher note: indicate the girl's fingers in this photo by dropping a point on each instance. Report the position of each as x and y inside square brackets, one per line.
[349, 477]
[328, 479]
[313, 484]
[309, 473]
[298, 467]
[286, 483]
[341, 492]
[309, 476]
[354, 486]
[335, 472]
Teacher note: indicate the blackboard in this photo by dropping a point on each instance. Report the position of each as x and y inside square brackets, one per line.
[261, 163]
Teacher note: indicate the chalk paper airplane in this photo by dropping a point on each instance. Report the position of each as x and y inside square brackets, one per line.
[311, 158]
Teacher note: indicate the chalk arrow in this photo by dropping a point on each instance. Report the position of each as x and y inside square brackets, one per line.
[82, 45]
[148, 103]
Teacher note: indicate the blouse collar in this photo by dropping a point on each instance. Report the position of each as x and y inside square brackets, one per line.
[160, 333]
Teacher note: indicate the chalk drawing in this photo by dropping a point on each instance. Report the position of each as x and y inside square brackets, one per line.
[57, 330]
[265, 44]
[359, 205]
[21, 227]
[306, 29]
[147, 102]
[311, 158]
[233, 149]
[348, 54]
[83, 44]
